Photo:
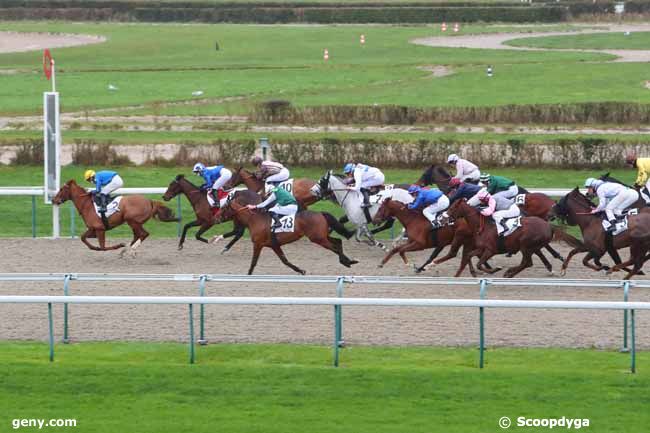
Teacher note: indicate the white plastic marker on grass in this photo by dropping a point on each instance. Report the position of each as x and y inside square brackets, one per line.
[197, 93]
[112, 87]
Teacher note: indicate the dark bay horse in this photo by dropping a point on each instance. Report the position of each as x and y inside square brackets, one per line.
[534, 234]
[315, 225]
[135, 210]
[420, 236]
[435, 174]
[575, 209]
[639, 233]
[205, 218]
[301, 187]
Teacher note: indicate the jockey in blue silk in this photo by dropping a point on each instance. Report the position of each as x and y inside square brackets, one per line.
[462, 190]
[365, 177]
[106, 181]
[431, 201]
[215, 178]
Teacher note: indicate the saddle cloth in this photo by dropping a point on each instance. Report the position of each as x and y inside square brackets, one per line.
[520, 199]
[287, 224]
[442, 219]
[112, 207]
[223, 196]
[620, 225]
[511, 224]
[287, 185]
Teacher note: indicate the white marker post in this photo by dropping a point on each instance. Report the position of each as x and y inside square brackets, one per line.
[51, 142]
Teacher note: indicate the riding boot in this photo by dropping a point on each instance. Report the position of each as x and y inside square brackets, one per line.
[103, 200]
[215, 197]
[275, 220]
[504, 229]
[366, 197]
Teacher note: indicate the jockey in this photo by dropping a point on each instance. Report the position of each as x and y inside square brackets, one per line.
[643, 176]
[269, 171]
[462, 190]
[431, 201]
[215, 178]
[283, 204]
[106, 181]
[613, 197]
[365, 177]
[465, 170]
[499, 185]
[498, 207]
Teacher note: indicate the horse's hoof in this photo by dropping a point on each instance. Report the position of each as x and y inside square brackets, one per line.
[562, 272]
[180, 247]
[551, 274]
[216, 239]
[301, 272]
[379, 266]
[225, 250]
[354, 262]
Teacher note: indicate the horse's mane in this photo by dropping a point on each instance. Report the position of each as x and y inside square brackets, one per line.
[181, 177]
[431, 172]
[579, 197]
[607, 178]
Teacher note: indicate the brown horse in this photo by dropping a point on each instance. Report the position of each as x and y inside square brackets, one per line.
[205, 218]
[301, 187]
[315, 225]
[575, 208]
[639, 233]
[420, 236]
[435, 174]
[135, 210]
[534, 234]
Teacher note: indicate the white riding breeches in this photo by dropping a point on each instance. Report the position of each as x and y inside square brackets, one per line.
[510, 193]
[223, 178]
[622, 201]
[511, 212]
[374, 178]
[111, 186]
[280, 177]
[472, 175]
[431, 211]
[289, 209]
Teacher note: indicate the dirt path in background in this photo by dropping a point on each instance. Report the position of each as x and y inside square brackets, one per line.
[298, 324]
[13, 42]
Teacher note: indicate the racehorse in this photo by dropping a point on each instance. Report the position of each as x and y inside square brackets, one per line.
[639, 232]
[205, 217]
[534, 234]
[135, 210]
[315, 225]
[435, 174]
[302, 188]
[575, 208]
[351, 202]
[420, 235]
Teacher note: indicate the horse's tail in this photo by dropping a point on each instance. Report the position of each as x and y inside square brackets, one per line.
[559, 235]
[162, 212]
[335, 225]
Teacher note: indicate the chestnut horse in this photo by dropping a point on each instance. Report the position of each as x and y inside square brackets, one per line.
[534, 234]
[135, 210]
[205, 217]
[315, 225]
[421, 237]
[301, 187]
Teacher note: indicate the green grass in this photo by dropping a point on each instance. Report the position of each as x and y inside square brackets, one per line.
[16, 211]
[160, 63]
[145, 387]
[635, 41]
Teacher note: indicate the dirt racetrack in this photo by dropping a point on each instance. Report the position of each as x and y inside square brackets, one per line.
[297, 324]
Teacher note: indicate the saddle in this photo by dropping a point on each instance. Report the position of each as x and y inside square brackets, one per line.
[510, 226]
[620, 223]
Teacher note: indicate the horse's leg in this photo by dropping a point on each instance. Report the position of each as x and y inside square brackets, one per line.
[484, 257]
[337, 247]
[257, 249]
[344, 219]
[433, 255]
[554, 253]
[401, 249]
[544, 260]
[278, 251]
[565, 264]
[526, 262]
[238, 232]
[185, 228]
[101, 238]
[388, 224]
[204, 228]
[90, 233]
[464, 261]
[597, 266]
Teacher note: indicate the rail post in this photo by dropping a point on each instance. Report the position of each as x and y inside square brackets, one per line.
[72, 222]
[626, 292]
[481, 314]
[191, 334]
[33, 216]
[66, 283]
[338, 318]
[633, 343]
[51, 331]
[180, 217]
[202, 340]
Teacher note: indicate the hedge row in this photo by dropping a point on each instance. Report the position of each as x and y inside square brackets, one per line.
[333, 153]
[279, 13]
[585, 113]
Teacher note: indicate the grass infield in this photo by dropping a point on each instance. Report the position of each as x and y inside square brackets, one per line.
[150, 387]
